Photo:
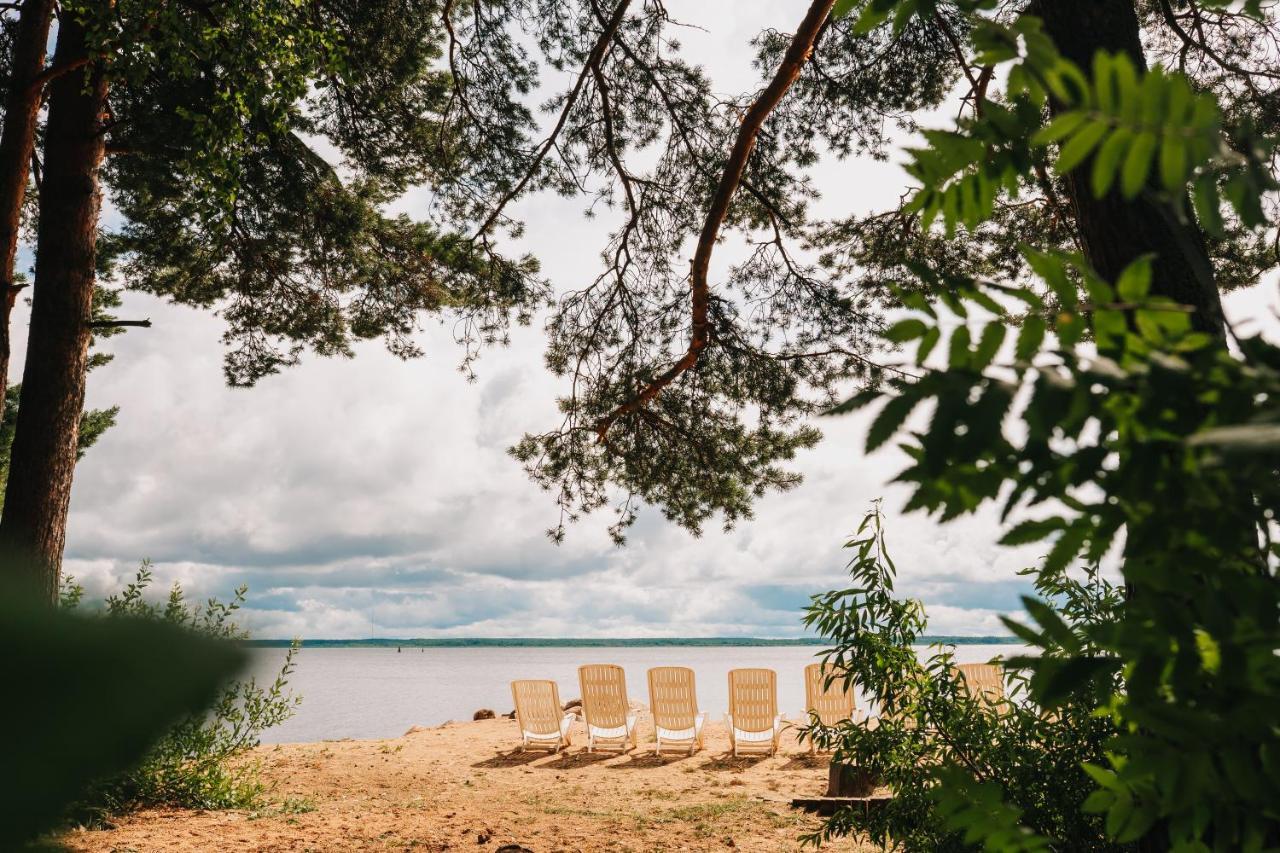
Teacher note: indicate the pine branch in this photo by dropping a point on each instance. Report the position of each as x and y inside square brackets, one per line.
[593, 61]
[788, 71]
[113, 324]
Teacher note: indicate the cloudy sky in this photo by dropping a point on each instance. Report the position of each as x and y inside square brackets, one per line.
[373, 497]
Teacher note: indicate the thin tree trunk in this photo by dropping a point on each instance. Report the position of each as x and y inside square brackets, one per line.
[33, 525]
[17, 142]
[1114, 230]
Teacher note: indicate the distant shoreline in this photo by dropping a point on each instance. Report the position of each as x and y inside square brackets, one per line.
[546, 642]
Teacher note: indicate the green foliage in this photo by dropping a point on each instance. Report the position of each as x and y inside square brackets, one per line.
[200, 760]
[1131, 125]
[1218, 50]
[101, 693]
[1115, 430]
[980, 812]
[254, 150]
[1162, 439]
[928, 723]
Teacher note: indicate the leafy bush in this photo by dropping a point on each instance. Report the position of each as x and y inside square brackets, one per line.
[199, 762]
[927, 718]
[1164, 440]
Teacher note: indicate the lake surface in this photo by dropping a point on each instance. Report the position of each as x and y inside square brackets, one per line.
[381, 693]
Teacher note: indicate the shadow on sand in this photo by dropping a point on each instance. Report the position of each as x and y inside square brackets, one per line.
[646, 760]
[543, 760]
[578, 757]
[642, 759]
[728, 761]
[514, 758]
[807, 762]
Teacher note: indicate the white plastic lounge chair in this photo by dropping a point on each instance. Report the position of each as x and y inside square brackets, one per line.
[753, 720]
[833, 703]
[538, 712]
[611, 724]
[674, 701]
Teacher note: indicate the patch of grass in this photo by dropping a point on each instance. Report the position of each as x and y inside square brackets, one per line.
[707, 811]
[660, 794]
[547, 808]
[393, 840]
[571, 811]
[706, 817]
[418, 802]
[287, 806]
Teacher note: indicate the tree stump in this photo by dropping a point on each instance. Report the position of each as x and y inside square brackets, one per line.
[849, 780]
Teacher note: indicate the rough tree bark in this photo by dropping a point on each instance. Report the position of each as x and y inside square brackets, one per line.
[1113, 230]
[17, 143]
[33, 525]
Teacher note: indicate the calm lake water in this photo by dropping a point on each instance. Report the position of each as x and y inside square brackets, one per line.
[379, 693]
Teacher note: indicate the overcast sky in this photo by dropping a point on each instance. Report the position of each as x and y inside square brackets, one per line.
[373, 497]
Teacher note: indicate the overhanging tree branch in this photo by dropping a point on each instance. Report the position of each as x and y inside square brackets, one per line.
[592, 63]
[113, 324]
[788, 71]
[54, 71]
[1246, 75]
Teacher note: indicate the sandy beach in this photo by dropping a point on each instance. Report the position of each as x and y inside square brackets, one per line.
[466, 786]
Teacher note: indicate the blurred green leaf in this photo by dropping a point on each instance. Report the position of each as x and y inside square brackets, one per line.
[86, 698]
[1137, 164]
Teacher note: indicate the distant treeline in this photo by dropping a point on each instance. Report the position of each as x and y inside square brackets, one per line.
[545, 642]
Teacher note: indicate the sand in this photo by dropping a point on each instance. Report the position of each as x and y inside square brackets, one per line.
[465, 786]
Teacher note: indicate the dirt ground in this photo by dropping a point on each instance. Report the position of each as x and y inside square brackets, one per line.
[466, 787]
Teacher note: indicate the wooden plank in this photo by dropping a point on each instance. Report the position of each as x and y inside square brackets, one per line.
[827, 806]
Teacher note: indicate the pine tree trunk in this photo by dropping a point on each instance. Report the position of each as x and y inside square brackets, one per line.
[1115, 231]
[17, 142]
[33, 525]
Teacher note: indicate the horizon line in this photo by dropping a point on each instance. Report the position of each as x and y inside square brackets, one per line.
[926, 639]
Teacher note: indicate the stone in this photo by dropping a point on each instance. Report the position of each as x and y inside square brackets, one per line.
[484, 714]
